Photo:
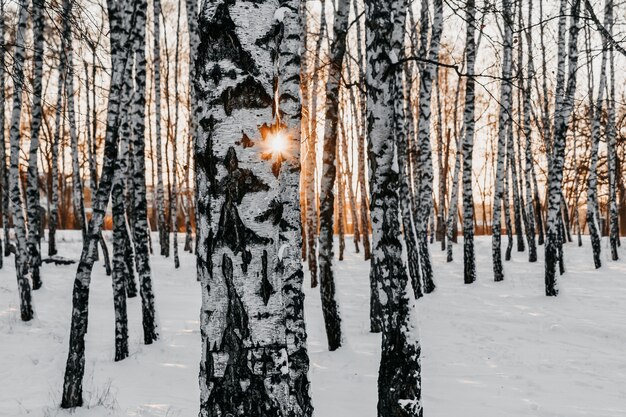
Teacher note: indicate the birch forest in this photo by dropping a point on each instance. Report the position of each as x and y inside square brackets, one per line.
[297, 208]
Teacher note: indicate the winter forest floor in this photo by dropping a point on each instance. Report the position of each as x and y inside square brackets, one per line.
[488, 349]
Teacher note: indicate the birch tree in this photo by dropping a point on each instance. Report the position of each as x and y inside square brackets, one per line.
[528, 156]
[32, 189]
[77, 181]
[428, 72]
[400, 132]
[164, 237]
[595, 110]
[119, 13]
[240, 156]
[290, 50]
[311, 215]
[174, 196]
[58, 131]
[138, 157]
[192, 30]
[399, 379]
[17, 207]
[4, 179]
[330, 309]
[362, 132]
[611, 133]
[469, 257]
[504, 121]
[562, 112]
[120, 241]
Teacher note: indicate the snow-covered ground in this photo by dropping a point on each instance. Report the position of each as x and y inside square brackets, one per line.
[488, 349]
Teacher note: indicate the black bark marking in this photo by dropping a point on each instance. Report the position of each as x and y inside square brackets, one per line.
[274, 213]
[266, 289]
[216, 74]
[232, 232]
[241, 390]
[248, 94]
[218, 41]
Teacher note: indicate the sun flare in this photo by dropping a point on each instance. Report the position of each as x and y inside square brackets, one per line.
[278, 142]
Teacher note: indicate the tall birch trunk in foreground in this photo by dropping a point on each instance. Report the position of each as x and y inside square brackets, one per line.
[332, 318]
[399, 378]
[562, 112]
[17, 206]
[243, 241]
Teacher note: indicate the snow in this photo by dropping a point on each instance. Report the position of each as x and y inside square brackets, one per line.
[488, 349]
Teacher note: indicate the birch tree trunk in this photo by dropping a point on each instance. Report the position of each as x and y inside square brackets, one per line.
[32, 189]
[593, 212]
[120, 236]
[332, 318]
[506, 201]
[504, 120]
[399, 377]
[78, 200]
[174, 196]
[427, 76]
[467, 146]
[58, 131]
[245, 342]
[611, 133]
[139, 200]
[340, 206]
[194, 40]
[362, 136]
[290, 106]
[17, 207]
[401, 112]
[121, 45]
[576, 187]
[164, 237]
[312, 219]
[528, 165]
[451, 220]
[514, 182]
[350, 168]
[563, 109]
[4, 180]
